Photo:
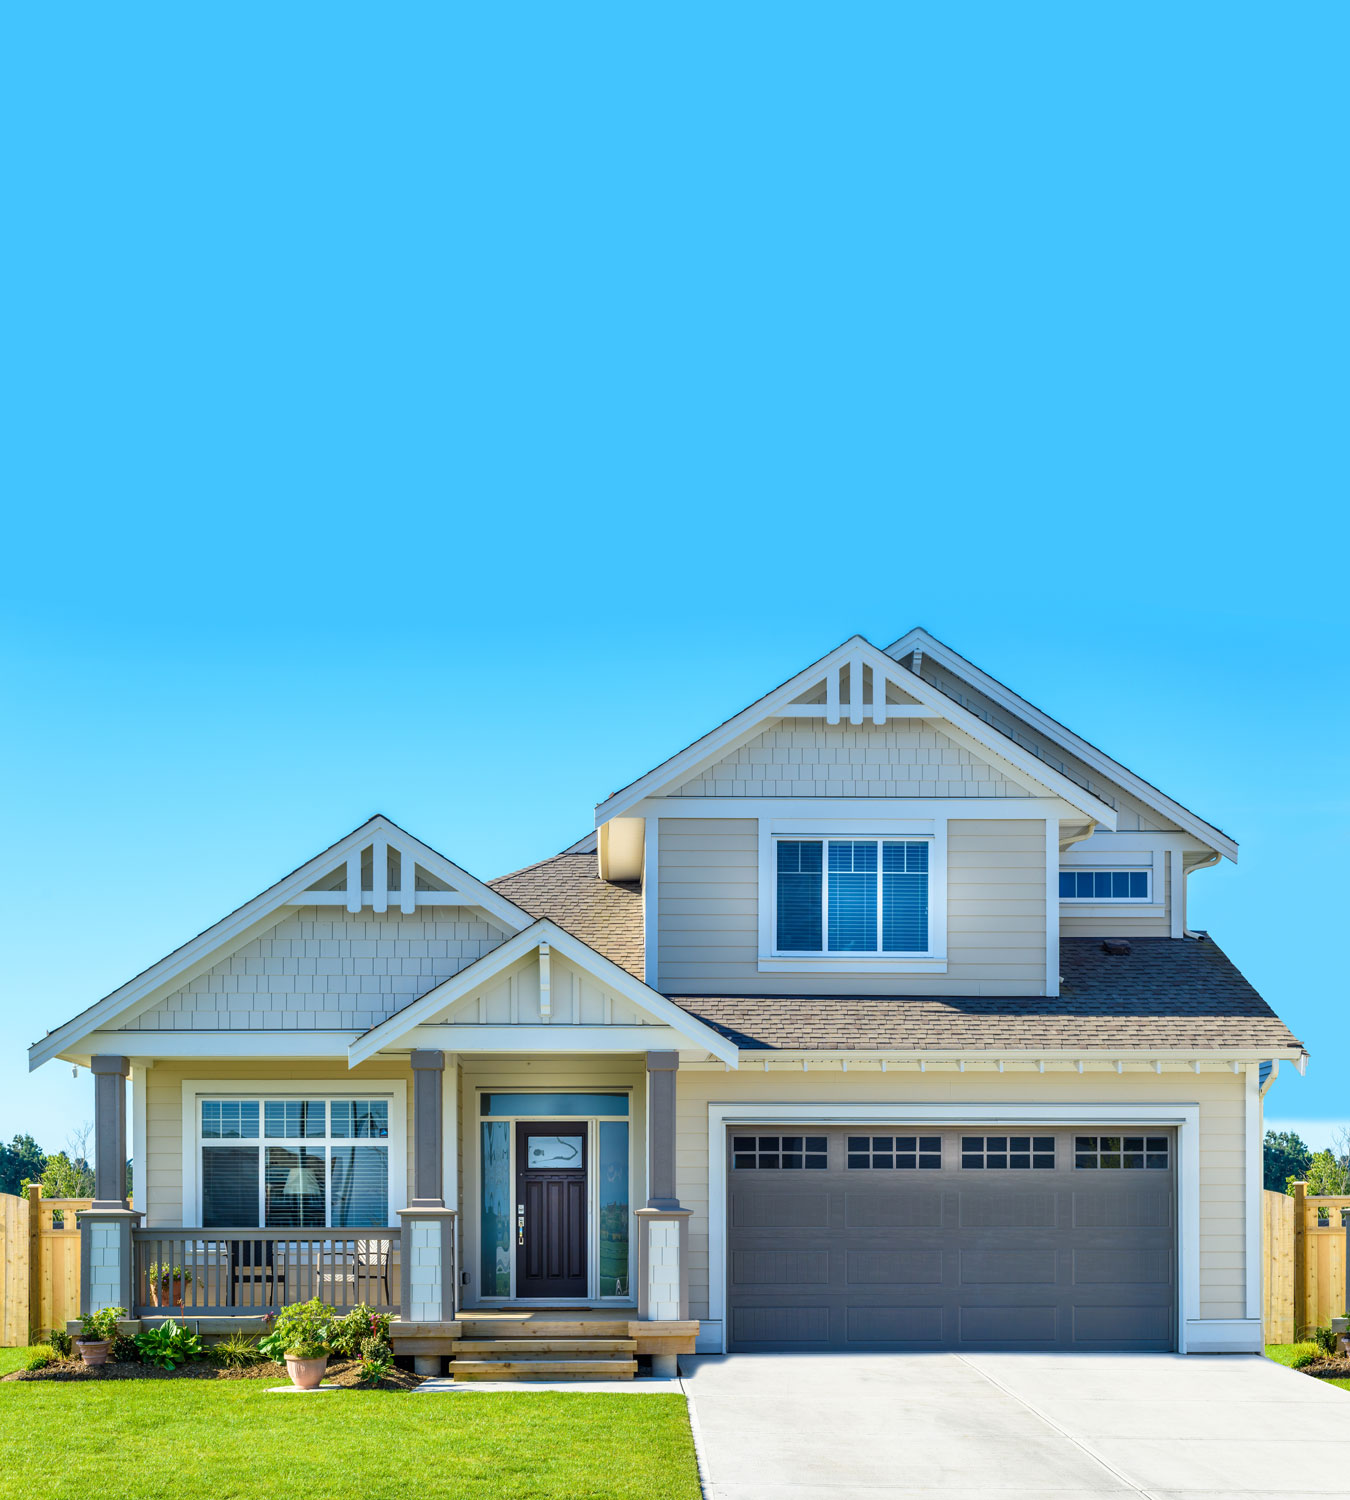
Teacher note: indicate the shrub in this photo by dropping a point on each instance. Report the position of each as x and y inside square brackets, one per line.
[62, 1342]
[353, 1330]
[101, 1327]
[375, 1365]
[40, 1356]
[124, 1351]
[169, 1345]
[305, 1329]
[238, 1352]
[1305, 1354]
[1324, 1339]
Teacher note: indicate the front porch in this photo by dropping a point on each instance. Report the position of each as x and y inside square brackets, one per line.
[541, 1227]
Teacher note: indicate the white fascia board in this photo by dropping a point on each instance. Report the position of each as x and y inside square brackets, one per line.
[777, 704]
[1211, 837]
[537, 1040]
[162, 1045]
[596, 964]
[241, 926]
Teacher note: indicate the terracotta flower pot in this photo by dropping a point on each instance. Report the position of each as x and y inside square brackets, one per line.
[306, 1373]
[160, 1292]
[93, 1351]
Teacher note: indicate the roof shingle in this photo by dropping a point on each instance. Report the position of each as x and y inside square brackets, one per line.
[606, 915]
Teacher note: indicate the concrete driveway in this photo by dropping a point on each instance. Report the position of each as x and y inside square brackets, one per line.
[1062, 1427]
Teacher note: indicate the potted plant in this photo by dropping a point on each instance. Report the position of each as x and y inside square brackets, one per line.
[1340, 1330]
[167, 1283]
[97, 1331]
[305, 1332]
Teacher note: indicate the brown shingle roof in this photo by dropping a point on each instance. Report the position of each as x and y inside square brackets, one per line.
[604, 914]
[1166, 993]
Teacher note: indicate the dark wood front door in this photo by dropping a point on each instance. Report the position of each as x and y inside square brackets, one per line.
[551, 1209]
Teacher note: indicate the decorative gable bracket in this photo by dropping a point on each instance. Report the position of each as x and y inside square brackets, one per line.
[378, 875]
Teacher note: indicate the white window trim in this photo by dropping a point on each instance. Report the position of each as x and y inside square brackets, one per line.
[787, 826]
[197, 1089]
[1118, 864]
[1183, 1118]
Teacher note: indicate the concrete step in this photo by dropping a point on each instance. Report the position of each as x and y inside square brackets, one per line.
[533, 1346]
[543, 1369]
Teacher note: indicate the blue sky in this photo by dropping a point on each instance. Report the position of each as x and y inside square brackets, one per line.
[452, 414]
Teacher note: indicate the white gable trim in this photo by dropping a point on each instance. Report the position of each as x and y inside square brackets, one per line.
[266, 910]
[397, 1028]
[919, 640]
[778, 704]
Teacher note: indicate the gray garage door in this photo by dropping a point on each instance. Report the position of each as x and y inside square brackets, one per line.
[974, 1238]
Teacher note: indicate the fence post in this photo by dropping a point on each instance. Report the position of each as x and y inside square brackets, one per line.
[34, 1258]
[1300, 1259]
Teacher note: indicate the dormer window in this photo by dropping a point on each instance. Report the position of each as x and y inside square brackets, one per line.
[845, 896]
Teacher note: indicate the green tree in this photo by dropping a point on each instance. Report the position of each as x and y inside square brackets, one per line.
[1285, 1156]
[21, 1159]
[1329, 1175]
[64, 1177]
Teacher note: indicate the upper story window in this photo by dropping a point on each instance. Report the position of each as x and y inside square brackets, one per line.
[851, 895]
[1105, 885]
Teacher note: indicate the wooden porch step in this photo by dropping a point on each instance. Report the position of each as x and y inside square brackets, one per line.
[502, 1328]
[543, 1369]
[533, 1346]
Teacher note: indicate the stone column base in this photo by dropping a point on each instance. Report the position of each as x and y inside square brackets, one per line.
[663, 1264]
[427, 1275]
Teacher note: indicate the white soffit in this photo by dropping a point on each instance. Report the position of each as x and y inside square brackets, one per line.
[919, 639]
[264, 911]
[854, 654]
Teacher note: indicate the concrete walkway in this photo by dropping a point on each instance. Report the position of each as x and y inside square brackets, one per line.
[1025, 1426]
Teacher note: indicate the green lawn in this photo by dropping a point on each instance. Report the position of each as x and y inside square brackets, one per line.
[231, 1439]
[1283, 1354]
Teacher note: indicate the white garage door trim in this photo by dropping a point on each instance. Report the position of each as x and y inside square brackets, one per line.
[1184, 1118]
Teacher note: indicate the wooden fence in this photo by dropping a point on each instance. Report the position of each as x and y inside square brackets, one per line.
[40, 1264]
[1306, 1249]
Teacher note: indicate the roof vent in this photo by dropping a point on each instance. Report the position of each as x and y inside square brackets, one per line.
[1115, 945]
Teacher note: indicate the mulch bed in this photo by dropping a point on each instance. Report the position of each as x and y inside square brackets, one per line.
[340, 1372]
[1329, 1369]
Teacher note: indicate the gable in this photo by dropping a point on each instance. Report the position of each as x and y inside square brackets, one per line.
[321, 969]
[379, 850]
[513, 998]
[810, 758]
[1139, 806]
[857, 684]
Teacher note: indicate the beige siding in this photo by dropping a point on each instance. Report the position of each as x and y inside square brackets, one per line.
[576, 999]
[1121, 921]
[1221, 1097]
[807, 758]
[323, 968]
[709, 926]
[164, 1123]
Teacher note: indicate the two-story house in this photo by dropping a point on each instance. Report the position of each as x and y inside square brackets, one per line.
[870, 1020]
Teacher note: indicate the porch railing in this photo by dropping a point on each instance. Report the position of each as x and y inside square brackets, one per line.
[250, 1272]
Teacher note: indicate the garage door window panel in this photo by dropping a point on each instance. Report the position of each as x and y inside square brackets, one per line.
[1008, 1153]
[790, 1153]
[1128, 1153]
[898, 1152]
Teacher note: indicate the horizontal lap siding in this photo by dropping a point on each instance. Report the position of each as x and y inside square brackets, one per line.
[1221, 1098]
[708, 901]
[165, 1126]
